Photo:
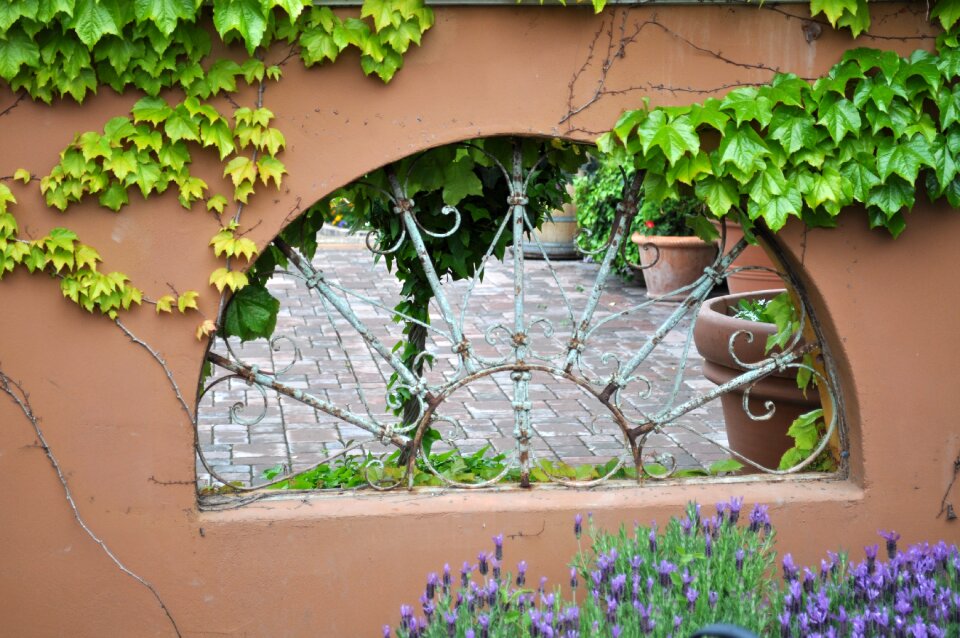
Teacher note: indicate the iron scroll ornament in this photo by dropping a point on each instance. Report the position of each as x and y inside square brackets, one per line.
[519, 354]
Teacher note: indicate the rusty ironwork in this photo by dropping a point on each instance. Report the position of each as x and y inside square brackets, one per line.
[519, 347]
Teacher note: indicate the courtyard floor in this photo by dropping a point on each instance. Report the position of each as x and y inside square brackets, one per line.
[335, 364]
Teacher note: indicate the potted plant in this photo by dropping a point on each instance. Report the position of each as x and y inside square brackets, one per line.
[770, 317]
[759, 270]
[671, 255]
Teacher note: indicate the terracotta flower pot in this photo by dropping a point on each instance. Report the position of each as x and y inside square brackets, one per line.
[749, 280]
[761, 441]
[677, 262]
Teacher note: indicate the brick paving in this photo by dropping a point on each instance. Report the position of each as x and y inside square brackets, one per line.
[336, 365]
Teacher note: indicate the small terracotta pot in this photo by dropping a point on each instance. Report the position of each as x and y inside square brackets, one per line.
[761, 441]
[677, 262]
[749, 280]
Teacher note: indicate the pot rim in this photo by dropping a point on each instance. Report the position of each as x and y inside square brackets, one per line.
[680, 241]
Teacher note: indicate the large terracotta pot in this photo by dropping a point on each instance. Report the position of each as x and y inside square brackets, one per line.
[750, 280]
[761, 441]
[676, 262]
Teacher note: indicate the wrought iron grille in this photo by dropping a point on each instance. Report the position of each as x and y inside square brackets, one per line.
[519, 347]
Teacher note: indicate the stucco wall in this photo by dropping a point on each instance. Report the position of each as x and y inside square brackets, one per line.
[340, 566]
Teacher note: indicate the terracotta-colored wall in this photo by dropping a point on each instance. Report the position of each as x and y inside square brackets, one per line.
[340, 566]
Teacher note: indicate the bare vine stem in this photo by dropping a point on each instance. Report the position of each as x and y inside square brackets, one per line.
[163, 364]
[15, 390]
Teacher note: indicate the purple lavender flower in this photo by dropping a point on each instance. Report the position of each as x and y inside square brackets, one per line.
[721, 508]
[692, 595]
[677, 621]
[618, 586]
[428, 610]
[636, 562]
[492, 589]
[616, 631]
[891, 537]
[447, 578]
[789, 568]
[465, 574]
[406, 615]
[686, 525]
[611, 609]
[652, 537]
[739, 558]
[685, 579]
[496, 568]
[808, 580]
[543, 584]
[871, 551]
[734, 506]
[578, 525]
[759, 518]
[451, 620]
[708, 545]
[786, 627]
[521, 573]
[712, 598]
[498, 546]
[482, 562]
[432, 582]
[573, 577]
[664, 569]
[470, 633]
[386, 631]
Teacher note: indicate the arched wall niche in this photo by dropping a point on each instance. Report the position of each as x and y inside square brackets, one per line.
[307, 567]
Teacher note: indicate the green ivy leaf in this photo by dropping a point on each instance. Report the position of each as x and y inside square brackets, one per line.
[892, 196]
[115, 197]
[166, 13]
[17, 49]
[400, 36]
[904, 160]
[252, 314]
[749, 106]
[821, 187]
[93, 19]
[151, 109]
[794, 129]
[217, 134]
[317, 45]
[720, 194]
[382, 12]
[860, 176]
[839, 118]
[180, 126]
[270, 168]
[459, 181]
[246, 17]
[776, 210]
[947, 11]
[743, 148]
[676, 138]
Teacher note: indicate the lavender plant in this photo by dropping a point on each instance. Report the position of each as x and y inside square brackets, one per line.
[696, 571]
[648, 582]
[912, 594]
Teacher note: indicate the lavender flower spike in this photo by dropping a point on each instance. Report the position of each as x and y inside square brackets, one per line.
[891, 537]
[498, 546]
[578, 525]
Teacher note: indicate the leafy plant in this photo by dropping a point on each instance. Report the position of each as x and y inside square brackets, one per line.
[596, 194]
[482, 465]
